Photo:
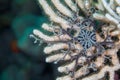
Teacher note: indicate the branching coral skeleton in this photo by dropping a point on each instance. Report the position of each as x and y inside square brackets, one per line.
[86, 49]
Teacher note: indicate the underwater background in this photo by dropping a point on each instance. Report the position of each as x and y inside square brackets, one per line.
[20, 58]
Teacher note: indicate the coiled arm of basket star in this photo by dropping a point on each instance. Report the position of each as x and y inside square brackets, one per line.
[63, 46]
[99, 63]
[110, 69]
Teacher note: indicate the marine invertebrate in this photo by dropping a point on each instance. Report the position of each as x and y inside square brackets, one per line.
[87, 38]
[86, 49]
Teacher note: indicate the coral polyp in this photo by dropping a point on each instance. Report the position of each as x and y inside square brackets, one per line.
[82, 38]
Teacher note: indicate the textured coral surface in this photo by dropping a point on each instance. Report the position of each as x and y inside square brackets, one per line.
[84, 37]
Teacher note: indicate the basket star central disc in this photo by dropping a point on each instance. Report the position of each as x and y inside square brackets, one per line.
[86, 38]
